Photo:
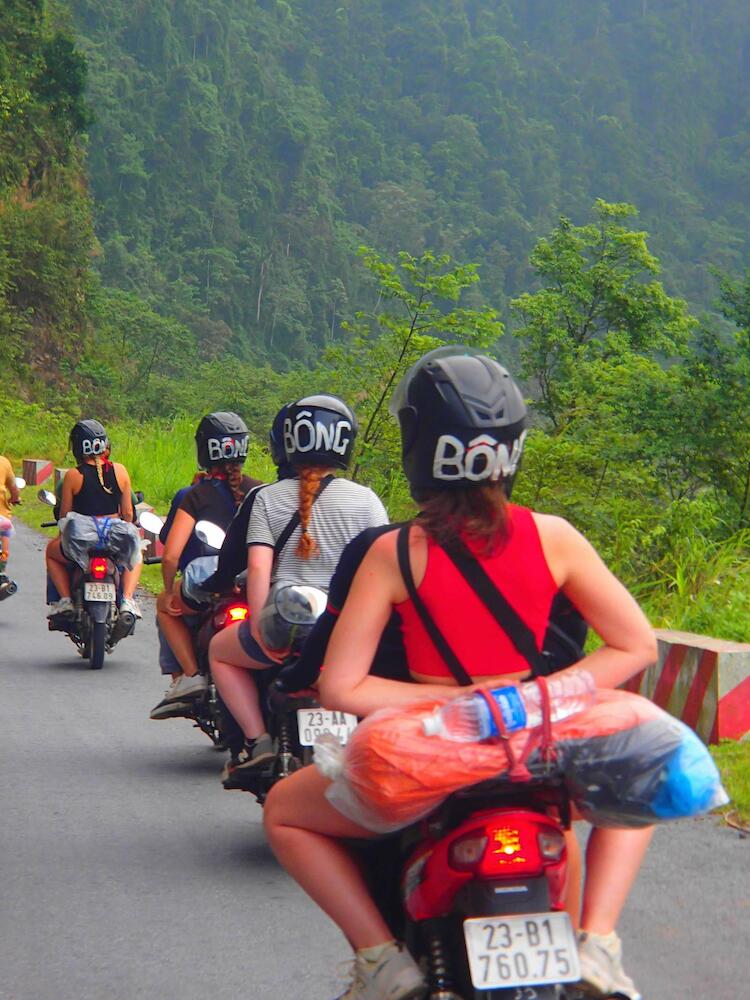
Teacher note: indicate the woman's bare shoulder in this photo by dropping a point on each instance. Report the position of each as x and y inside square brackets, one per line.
[553, 527]
[383, 548]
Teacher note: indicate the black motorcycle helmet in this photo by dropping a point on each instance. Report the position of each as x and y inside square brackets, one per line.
[289, 615]
[319, 430]
[221, 437]
[88, 439]
[462, 420]
[276, 439]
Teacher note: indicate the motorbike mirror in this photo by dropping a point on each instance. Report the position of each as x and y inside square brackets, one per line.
[47, 497]
[210, 534]
[20, 482]
[150, 521]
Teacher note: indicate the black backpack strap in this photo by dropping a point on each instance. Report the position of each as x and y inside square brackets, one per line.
[294, 521]
[502, 611]
[437, 637]
[228, 499]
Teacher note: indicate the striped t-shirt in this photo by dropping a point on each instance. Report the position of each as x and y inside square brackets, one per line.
[341, 511]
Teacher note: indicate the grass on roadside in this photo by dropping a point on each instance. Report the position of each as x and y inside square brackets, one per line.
[733, 760]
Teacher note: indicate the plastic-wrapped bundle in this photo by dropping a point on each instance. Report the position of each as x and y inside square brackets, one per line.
[625, 761]
[80, 533]
[197, 572]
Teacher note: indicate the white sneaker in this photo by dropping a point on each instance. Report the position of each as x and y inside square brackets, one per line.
[182, 689]
[64, 606]
[130, 605]
[602, 974]
[391, 975]
[186, 687]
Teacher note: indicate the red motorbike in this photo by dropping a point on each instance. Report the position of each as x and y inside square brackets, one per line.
[476, 891]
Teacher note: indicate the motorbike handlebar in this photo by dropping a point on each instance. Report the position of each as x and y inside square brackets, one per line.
[49, 524]
[152, 561]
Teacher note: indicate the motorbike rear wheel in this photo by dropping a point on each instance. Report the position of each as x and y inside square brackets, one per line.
[97, 644]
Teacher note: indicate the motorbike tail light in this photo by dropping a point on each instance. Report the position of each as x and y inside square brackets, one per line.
[551, 844]
[468, 851]
[98, 567]
[229, 616]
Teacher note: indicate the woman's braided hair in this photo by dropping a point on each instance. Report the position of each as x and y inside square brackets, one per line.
[100, 471]
[309, 484]
[232, 471]
[234, 478]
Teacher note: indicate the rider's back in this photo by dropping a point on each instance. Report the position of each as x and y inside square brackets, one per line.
[339, 513]
[100, 492]
[517, 568]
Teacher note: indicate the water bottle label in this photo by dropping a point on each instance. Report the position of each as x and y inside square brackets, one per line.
[512, 706]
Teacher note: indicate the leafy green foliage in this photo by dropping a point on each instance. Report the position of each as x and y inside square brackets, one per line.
[45, 224]
[417, 310]
[733, 760]
[594, 307]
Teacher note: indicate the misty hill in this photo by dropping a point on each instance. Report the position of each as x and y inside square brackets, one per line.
[242, 149]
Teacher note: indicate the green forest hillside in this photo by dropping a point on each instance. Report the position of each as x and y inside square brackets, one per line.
[242, 149]
[228, 205]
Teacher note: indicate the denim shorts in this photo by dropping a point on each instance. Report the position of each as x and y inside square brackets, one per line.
[250, 647]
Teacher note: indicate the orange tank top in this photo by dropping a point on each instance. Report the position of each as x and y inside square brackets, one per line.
[519, 571]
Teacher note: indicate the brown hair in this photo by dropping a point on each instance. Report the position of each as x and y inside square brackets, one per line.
[479, 512]
[234, 476]
[309, 483]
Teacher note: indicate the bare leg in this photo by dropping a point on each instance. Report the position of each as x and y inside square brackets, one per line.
[57, 567]
[130, 580]
[304, 830]
[573, 883]
[178, 636]
[613, 858]
[231, 669]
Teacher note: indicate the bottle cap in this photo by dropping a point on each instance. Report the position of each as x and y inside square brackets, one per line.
[433, 724]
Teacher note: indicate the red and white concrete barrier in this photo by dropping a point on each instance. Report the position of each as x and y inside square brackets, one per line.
[703, 681]
[59, 475]
[37, 470]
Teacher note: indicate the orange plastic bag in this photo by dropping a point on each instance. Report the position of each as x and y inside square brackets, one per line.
[393, 774]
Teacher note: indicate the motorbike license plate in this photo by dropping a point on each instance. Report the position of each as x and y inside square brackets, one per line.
[313, 722]
[530, 950]
[99, 592]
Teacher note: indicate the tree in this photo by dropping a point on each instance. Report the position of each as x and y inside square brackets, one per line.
[597, 302]
[416, 309]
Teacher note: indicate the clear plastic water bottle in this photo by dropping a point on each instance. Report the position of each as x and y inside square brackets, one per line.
[468, 719]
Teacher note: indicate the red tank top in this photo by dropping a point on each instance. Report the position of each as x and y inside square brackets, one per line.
[520, 572]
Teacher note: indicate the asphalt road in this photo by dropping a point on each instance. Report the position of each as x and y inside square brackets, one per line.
[127, 872]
